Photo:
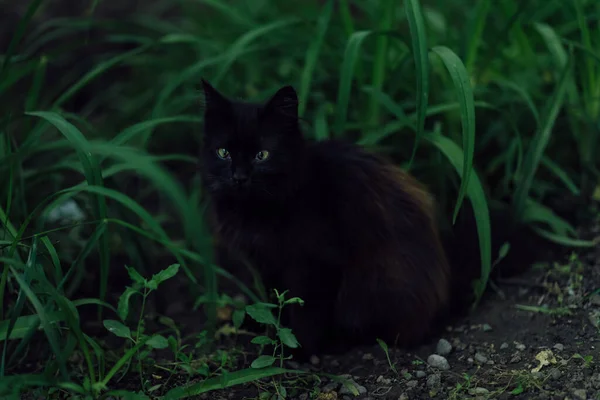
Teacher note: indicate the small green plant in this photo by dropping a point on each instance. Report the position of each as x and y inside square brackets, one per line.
[140, 341]
[385, 349]
[587, 360]
[262, 313]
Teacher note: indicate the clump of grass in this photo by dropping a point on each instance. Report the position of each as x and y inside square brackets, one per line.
[486, 108]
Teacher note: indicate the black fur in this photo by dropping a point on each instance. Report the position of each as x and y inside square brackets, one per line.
[340, 227]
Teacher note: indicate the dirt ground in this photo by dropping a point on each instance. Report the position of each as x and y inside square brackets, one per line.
[536, 336]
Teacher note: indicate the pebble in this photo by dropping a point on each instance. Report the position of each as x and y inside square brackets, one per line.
[303, 396]
[559, 347]
[314, 360]
[403, 396]
[486, 327]
[580, 394]
[480, 358]
[478, 391]
[438, 361]
[515, 359]
[504, 346]
[520, 346]
[335, 363]
[346, 390]
[367, 356]
[420, 374]
[555, 374]
[434, 381]
[596, 381]
[382, 379]
[412, 384]
[443, 347]
[330, 387]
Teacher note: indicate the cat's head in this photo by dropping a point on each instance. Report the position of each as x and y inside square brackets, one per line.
[251, 149]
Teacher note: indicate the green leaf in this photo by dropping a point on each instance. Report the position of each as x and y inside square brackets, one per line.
[117, 328]
[123, 306]
[478, 199]
[418, 36]
[165, 274]
[288, 338]
[26, 322]
[135, 276]
[294, 300]
[49, 328]
[262, 340]
[263, 362]
[234, 378]
[312, 55]
[539, 142]
[261, 314]
[345, 85]
[462, 84]
[383, 345]
[158, 342]
[238, 47]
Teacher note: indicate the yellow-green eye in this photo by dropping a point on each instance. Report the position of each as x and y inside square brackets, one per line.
[262, 155]
[222, 153]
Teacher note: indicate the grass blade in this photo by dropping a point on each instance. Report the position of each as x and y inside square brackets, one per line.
[238, 47]
[93, 175]
[386, 18]
[418, 36]
[233, 379]
[347, 74]
[49, 329]
[538, 145]
[476, 195]
[464, 91]
[312, 55]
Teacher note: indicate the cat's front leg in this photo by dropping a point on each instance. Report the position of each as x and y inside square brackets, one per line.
[311, 321]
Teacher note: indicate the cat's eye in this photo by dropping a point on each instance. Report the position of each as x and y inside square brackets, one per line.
[262, 155]
[223, 153]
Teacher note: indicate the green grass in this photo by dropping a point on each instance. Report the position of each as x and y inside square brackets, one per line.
[487, 102]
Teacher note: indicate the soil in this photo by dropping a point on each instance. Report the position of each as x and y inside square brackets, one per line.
[535, 336]
[550, 350]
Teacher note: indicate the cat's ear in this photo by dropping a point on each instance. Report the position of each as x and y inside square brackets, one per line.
[213, 100]
[284, 101]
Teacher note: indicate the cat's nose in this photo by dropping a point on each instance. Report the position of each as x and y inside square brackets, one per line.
[240, 177]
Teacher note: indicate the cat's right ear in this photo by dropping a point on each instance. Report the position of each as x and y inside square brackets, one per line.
[213, 100]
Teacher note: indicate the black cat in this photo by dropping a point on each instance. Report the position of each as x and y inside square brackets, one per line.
[347, 231]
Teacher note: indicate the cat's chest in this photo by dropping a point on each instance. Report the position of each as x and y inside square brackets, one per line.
[251, 234]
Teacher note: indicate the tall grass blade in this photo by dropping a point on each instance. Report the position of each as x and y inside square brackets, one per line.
[49, 329]
[418, 36]
[93, 175]
[476, 195]
[464, 91]
[238, 47]
[345, 84]
[539, 142]
[386, 18]
[233, 379]
[18, 35]
[475, 32]
[312, 55]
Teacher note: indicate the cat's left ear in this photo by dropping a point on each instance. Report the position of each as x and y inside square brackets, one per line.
[284, 101]
[214, 100]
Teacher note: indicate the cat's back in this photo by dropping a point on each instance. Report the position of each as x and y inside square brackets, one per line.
[347, 172]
